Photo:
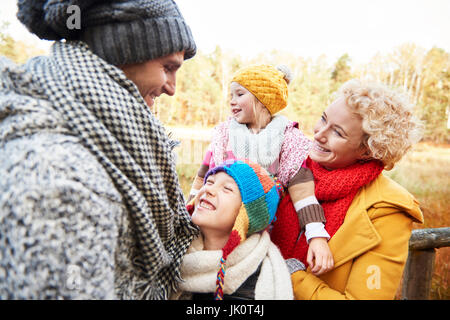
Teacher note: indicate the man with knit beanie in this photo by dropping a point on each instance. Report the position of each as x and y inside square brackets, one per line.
[90, 205]
[234, 258]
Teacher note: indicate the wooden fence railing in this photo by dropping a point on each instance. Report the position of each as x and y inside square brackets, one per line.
[420, 264]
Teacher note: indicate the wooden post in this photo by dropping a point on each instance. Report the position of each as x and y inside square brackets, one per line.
[418, 273]
[420, 264]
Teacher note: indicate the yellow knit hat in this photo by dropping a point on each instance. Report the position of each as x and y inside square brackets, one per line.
[267, 83]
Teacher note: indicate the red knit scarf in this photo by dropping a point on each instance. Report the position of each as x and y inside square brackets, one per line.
[335, 191]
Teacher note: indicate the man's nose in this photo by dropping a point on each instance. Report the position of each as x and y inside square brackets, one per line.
[170, 85]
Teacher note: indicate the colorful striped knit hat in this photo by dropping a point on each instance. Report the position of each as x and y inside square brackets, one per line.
[267, 83]
[260, 197]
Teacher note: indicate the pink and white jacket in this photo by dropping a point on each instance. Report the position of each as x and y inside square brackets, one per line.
[280, 147]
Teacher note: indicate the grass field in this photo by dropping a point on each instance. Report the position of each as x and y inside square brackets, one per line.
[424, 171]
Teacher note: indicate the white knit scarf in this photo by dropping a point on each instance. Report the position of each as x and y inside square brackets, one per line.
[199, 269]
[264, 147]
[104, 108]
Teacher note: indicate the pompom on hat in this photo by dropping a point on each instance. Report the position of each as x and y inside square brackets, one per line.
[260, 195]
[267, 83]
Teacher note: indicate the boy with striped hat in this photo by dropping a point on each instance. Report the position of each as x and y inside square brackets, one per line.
[234, 258]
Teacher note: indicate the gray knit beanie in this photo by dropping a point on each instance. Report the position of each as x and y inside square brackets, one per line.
[119, 31]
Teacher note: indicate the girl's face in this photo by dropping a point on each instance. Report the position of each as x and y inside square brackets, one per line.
[217, 204]
[245, 107]
[338, 136]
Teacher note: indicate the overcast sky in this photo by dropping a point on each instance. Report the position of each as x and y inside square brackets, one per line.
[306, 28]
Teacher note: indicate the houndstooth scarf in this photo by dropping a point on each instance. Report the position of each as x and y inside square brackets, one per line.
[104, 108]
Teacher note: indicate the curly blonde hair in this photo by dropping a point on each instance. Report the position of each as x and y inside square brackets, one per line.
[389, 125]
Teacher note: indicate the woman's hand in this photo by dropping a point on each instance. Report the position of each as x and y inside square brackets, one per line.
[319, 258]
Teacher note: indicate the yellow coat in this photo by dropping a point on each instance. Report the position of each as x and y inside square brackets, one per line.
[369, 249]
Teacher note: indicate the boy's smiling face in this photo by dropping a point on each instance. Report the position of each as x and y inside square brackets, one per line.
[217, 204]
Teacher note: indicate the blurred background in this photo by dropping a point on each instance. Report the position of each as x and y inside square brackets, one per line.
[404, 44]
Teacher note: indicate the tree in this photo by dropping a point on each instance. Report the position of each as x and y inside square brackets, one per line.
[424, 76]
[202, 97]
[435, 95]
[7, 47]
[16, 50]
[342, 71]
[202, 92]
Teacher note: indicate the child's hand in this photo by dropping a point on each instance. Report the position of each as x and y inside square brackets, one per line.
[319, 258]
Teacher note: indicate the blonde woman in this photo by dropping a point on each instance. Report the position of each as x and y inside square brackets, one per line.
[368, 128]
